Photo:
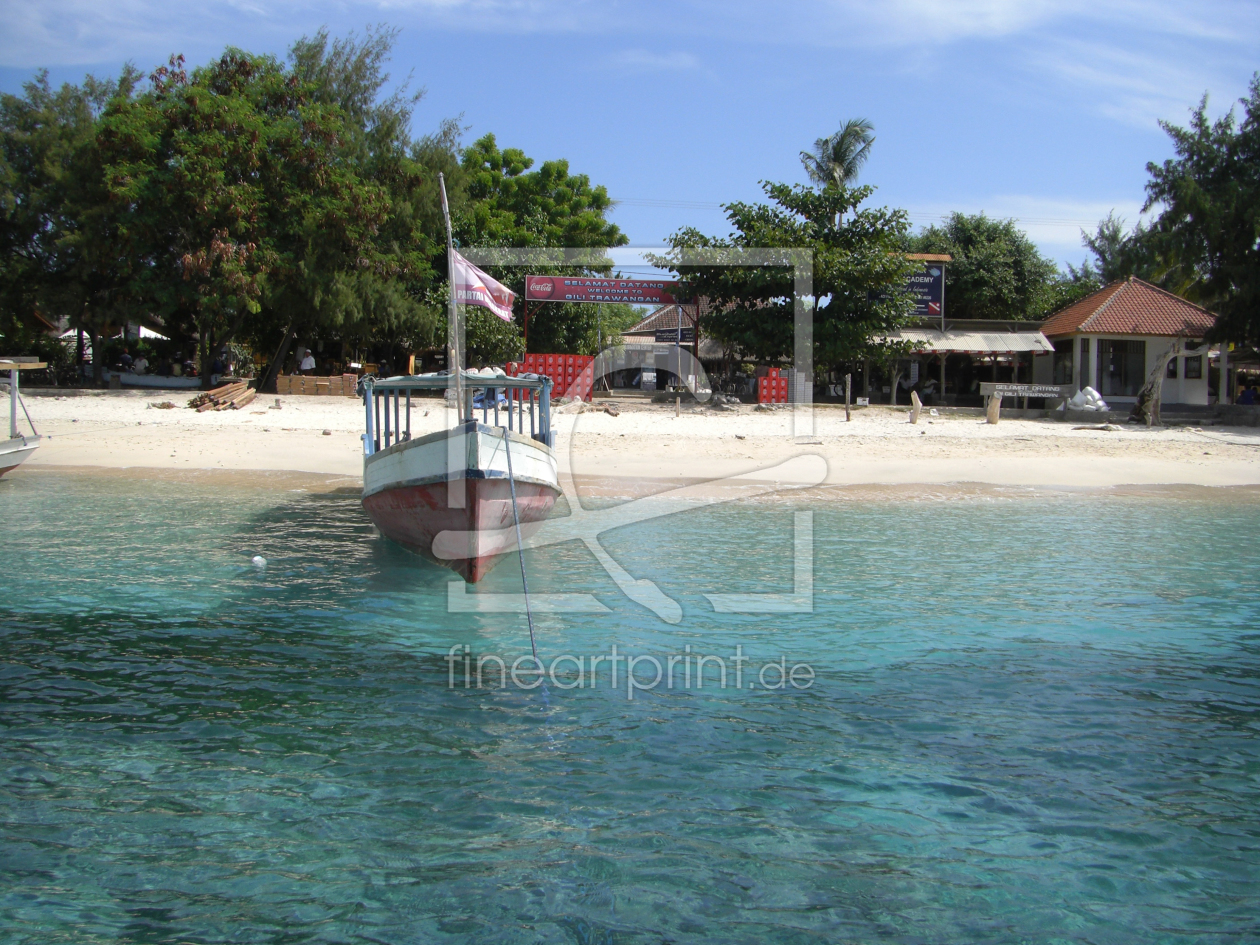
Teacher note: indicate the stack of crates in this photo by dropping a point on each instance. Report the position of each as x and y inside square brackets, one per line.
[572, 375]
[338, 385]
[772, 389]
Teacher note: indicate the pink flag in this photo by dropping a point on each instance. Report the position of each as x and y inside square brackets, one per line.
[474, 287]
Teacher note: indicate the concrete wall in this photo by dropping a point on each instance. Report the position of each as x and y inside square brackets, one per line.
[1177, 390]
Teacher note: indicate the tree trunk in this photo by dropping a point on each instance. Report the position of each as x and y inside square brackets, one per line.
[993, 412]
[1149, 397]
[98, 358]
[203, 356]
[267, 382]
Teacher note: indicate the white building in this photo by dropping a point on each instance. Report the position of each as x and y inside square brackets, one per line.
[1112, 340]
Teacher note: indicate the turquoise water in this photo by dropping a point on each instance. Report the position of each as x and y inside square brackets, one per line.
[1034, 719]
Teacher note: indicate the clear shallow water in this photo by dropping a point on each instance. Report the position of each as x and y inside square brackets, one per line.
[1014, 735]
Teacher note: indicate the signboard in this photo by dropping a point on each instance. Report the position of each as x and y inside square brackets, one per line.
[586, 289]
[669, 336]
[1053, 391]
[927, 288]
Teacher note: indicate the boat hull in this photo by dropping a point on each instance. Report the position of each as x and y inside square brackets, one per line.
[15, 452]
[447, 496]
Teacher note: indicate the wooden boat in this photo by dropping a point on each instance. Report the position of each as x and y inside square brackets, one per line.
[18, 447]
[459, 481]
[161, 381]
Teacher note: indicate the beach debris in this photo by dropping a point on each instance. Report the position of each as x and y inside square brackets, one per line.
[328, 433]
[612, 410]
[258, 561]
[934, 412]
[231, 396]
[573, 406]
[164, 405]
[1109, 427]
[763, 408]
[276, 405]
[993, 412]
[916, 406]
[739, 436]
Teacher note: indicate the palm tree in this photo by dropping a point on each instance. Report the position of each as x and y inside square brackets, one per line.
[838, 159]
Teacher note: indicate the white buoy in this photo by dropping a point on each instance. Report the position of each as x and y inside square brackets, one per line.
[259, 561]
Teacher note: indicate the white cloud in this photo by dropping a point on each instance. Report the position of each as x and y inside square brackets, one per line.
[1139, 86]
[645, 60]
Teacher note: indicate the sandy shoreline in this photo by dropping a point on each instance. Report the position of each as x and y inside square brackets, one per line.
[647, 446]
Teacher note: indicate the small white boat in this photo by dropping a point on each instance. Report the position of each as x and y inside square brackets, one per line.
[161, 381]
[461, 481]
[18, 447]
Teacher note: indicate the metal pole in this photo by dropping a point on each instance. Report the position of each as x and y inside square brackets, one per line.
[13, 400]
[848, 386]
[369, 404]
[453, 354]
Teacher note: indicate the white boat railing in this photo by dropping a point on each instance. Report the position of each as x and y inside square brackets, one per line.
[388, 402]
[13, 366]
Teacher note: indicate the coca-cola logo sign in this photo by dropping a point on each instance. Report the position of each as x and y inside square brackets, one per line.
[541, 288]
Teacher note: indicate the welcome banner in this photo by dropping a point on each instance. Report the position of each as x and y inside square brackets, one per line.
[589, 289]
[474, 287]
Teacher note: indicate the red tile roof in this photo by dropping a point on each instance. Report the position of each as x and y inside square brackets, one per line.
[1130, 307]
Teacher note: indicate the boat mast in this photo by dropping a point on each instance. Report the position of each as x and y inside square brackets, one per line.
[454, 359]
[13, 402]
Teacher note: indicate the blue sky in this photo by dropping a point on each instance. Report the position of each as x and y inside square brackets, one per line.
[1042, 110]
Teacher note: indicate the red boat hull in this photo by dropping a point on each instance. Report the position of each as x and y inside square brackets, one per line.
[414, 515]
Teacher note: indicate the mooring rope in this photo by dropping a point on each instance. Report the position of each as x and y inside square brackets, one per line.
[520, 548]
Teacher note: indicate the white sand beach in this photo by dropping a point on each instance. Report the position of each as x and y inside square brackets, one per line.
[126, 431]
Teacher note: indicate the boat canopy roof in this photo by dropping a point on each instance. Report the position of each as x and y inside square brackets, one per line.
[21, 364]
[438, 380]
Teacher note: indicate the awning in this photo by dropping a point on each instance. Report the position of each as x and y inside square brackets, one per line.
[935, 341]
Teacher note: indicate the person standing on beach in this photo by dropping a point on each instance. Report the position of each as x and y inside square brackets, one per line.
[308, 363]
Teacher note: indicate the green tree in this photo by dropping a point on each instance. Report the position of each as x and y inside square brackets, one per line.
[859, 270]
[505, 203]
[235, 179]
[996, 271]
[837, 160]
[393, 300]
[50, 208]
[578, 328]
[1207, 235]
